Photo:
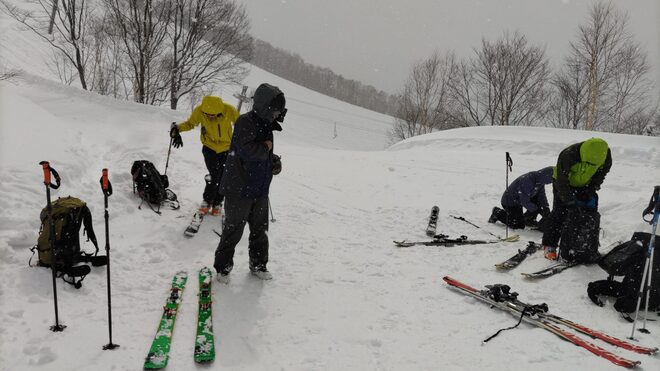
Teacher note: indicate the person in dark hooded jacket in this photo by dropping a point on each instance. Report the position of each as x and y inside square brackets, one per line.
[527, 191]
[246, 181]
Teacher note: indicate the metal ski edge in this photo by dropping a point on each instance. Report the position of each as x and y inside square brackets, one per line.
[565, 335]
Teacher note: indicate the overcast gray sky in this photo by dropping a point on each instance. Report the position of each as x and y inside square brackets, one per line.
[377, 41]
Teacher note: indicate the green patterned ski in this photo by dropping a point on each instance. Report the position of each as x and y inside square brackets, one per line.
[160, 348]
[204, 344]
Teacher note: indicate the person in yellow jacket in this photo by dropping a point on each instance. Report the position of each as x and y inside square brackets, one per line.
[216, 118]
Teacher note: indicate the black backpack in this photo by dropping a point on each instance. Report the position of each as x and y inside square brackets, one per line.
[150, 185]
[68, 215]
[628, 260]
[579, 236]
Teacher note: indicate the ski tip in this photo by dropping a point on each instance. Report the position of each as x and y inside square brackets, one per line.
[512, 238]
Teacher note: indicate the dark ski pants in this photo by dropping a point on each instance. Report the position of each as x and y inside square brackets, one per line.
[511, 216]
[239, 211]
[215, 164]
[554, 223]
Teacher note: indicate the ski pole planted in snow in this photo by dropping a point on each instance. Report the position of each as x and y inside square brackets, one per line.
[645, 286]
[272, 218]
[509, 167]
[51, 236]
[106, 187]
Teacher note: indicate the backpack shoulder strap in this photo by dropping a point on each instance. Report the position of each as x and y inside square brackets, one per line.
[87, 223]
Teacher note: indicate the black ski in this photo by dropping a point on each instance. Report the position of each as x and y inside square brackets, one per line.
[194, 224]
[444, 240]
[513, 261]
[550, 270]
[433, 221]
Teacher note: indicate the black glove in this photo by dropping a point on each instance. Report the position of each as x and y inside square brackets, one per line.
[174, 134]
[277, 164]
[544, 211]
[530, 215]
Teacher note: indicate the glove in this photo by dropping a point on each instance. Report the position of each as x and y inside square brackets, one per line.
[530, 216]
[277, 164]
[174, 134]
[544, 211]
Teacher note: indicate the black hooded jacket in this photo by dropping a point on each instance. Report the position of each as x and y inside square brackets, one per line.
[249, 166]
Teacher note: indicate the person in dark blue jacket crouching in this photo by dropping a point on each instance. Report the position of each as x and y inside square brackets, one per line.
[246, 181]
[527, 191]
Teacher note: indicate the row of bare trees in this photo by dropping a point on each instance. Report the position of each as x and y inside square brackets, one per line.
[150, 51]
[293, 68]
[603, 85]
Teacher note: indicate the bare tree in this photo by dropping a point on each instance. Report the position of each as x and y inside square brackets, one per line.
[69, 21]
[604, 83]
[142, 27]
[570, 102]
[504, 84]
[422, 108]
[210, 43]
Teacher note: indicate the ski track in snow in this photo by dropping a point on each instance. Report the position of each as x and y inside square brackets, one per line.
[343, 296]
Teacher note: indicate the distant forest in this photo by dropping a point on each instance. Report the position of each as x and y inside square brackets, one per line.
[292, 67]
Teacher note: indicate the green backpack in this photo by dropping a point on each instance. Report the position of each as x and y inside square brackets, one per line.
[68, 214]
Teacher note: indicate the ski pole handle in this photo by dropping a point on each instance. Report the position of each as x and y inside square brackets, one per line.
[654, 205]
[509, 162]
[106, 186]
[47, 171]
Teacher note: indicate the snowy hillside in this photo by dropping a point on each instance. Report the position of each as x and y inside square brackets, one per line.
[343, 297]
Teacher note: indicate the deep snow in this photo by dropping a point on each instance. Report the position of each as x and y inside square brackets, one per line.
[342, 297]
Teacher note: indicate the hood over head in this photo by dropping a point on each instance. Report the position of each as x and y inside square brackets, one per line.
[594, 151]
[212, 105]
[266, 100]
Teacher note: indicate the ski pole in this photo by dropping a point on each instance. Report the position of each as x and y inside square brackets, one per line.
[653, 208]
[106, 188]
[169, 150]
[509, 167]
[51, 237]
[472, 224]
[272, 218]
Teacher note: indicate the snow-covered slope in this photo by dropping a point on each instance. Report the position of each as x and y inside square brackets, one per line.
[343, 296]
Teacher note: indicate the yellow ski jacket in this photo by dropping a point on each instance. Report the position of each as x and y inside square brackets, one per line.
[216, 118]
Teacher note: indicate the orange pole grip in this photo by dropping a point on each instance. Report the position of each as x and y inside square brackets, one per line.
[46, 168]
[104, 179]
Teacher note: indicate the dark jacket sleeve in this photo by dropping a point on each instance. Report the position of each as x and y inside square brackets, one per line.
[599, 177]
[567, 158]
[542, 198]
[525, 193]
[247, 147]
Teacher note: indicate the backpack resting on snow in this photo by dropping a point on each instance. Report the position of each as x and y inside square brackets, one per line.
[68, 215]
[150, 185]
[628, 260]
[579, 237]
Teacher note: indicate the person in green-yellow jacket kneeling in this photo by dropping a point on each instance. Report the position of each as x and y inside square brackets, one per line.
[216, 118]
[580, 171]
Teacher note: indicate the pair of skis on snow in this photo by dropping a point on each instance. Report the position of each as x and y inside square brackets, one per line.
[514, 261]
[444, 240]
[204, 343]
[538, 316]
[531, 248]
